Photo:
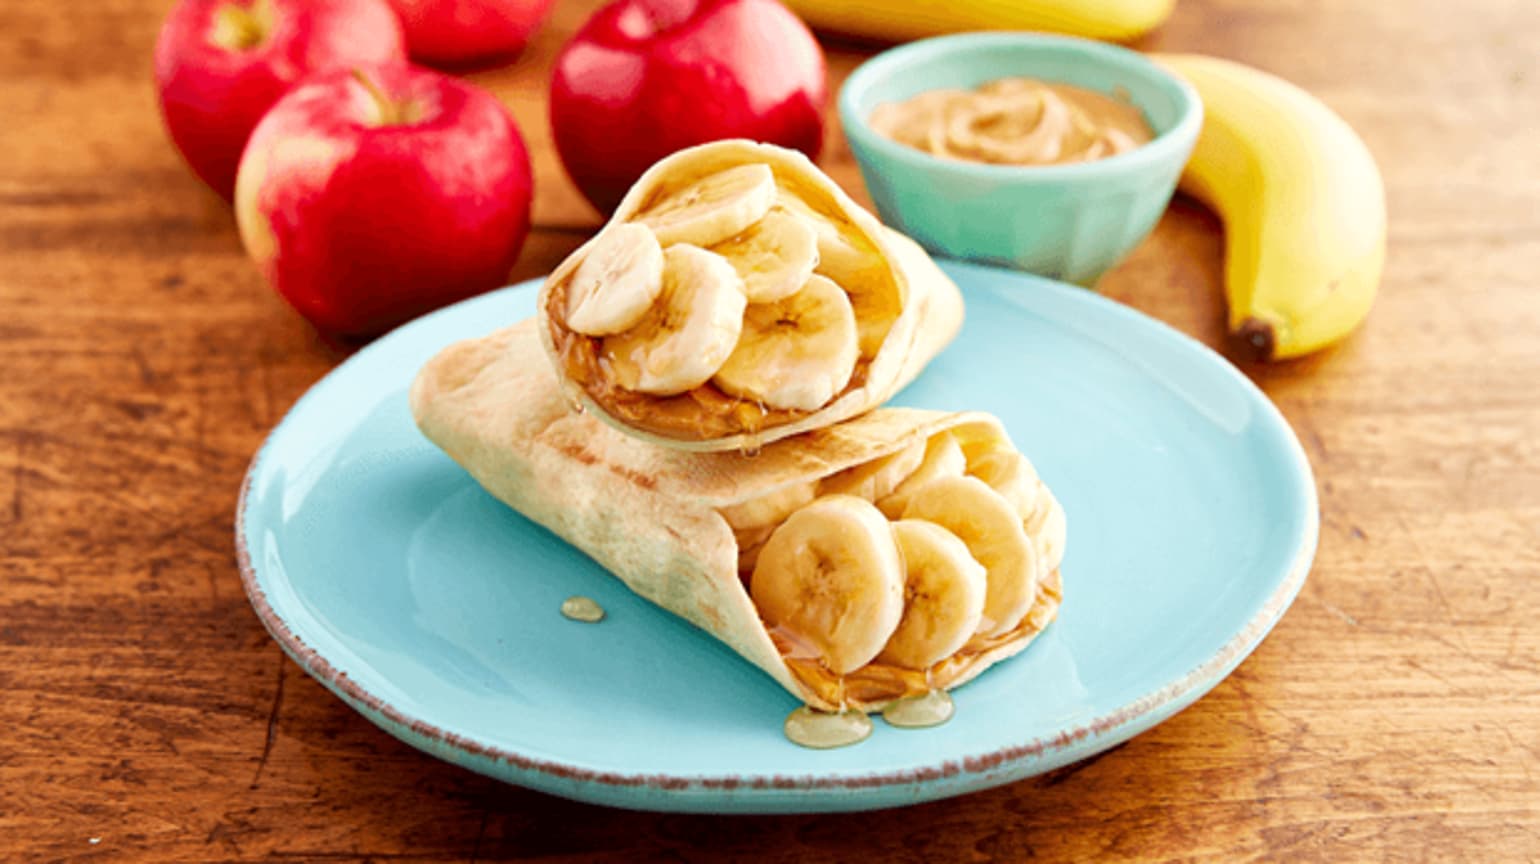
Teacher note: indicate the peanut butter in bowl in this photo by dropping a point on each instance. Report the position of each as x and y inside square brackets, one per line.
[1014, 121]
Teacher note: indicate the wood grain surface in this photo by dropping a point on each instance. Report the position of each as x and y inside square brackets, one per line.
[145, 715]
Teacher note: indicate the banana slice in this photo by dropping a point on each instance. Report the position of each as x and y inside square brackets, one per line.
[832, 576]
[795, 354]
[688, 334]
[877, 309]
[1011, 474]
[878, 478]
[841, 256]
[992, 529]
[713, 208]
[1048, 530]
[770, 510]
[943, 458]
[853, 264]
[616, 283]
[775, 256]
[944, 592]
[749, 544]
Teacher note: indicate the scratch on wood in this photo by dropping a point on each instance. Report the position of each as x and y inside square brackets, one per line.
[1333, 610]
[480, 833]
[265, 372]
[1438, 589]
[1534, 756]
[1430, 570]
[19, 473]
[1453, 687]
[1458, 648]
[1293, 739]
[187, 532]
[1512, 660]
[272, 721]
[142, 363]
[213, 579]
[222, 833]
[1312, 435]
[1339, 613]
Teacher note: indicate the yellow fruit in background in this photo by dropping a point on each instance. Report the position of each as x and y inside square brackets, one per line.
[1302, 202]
[902, 20]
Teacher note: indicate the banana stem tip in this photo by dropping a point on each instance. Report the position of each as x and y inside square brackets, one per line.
[1257, 338]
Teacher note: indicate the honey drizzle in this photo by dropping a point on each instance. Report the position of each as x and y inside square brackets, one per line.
[877, 683]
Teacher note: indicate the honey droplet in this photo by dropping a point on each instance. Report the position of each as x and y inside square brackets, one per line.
[750, 445]
[917, 712]
[822, 730]
[582, 609]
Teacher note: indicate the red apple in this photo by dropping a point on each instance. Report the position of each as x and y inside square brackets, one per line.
[368, 197]
[220, 64]
[644, 78]
[459, 33]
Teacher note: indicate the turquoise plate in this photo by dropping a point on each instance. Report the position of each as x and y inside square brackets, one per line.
[431, 608]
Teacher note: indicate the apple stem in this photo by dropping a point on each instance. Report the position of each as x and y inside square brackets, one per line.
[384, 105]
[241, 28]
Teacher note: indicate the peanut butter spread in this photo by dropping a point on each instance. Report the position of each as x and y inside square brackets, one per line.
[703, 413]
[1015, 121]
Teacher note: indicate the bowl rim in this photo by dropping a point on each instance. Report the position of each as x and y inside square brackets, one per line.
[1164, 146]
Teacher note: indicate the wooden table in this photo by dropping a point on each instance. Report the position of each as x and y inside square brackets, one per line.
[145, 715]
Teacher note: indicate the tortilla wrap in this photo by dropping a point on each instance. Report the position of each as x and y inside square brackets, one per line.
[905, 292]
[650, 515]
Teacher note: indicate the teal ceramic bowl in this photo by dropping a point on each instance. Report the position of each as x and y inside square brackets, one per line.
[1071, 222]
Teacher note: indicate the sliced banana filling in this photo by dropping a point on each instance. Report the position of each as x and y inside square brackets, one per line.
[901, 564]
[685, 337]
[794, 353]
[727, 303]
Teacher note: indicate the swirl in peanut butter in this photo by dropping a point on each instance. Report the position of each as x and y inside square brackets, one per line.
[1014, 121]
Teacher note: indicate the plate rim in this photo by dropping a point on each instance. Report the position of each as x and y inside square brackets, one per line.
[1195, 682]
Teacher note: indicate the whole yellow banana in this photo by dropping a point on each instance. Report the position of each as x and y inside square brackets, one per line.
[902, 20]
[1302, 203]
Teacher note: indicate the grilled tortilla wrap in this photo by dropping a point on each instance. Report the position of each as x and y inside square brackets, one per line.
[658, 518]
[687, 362]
